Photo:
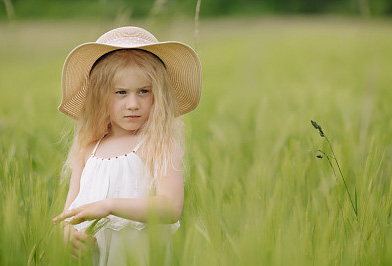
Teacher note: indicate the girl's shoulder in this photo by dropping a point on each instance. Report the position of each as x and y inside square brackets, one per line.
[77, 160]
[85, 152]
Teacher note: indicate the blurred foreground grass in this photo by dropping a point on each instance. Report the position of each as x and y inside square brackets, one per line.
[255, 193]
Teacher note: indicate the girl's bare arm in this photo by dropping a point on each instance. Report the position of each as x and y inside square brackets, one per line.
[73, 191]
[77, 166]
[79, 241]
[166, 205]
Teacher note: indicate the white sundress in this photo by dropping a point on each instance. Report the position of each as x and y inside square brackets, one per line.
[120, 241]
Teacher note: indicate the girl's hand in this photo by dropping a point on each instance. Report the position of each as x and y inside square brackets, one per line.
[91, 211]
[82, 243]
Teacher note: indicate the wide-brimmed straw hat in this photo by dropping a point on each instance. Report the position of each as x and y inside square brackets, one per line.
[181, 62]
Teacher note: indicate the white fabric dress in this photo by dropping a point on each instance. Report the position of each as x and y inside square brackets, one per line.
[120, 241]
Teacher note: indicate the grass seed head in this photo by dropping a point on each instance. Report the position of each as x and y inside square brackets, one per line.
[318, 127]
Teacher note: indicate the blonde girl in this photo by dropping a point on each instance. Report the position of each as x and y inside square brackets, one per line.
[128, 93]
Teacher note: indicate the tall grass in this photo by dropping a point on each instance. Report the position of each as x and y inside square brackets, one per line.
[255, 194]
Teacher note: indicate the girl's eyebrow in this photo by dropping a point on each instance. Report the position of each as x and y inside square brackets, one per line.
[148, 86]
[140, 88]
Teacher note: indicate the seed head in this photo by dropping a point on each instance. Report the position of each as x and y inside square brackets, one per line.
[318, 127]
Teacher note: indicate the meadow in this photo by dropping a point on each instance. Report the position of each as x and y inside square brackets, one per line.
[255, 193]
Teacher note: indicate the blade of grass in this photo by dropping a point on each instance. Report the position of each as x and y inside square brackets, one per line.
[356, 202]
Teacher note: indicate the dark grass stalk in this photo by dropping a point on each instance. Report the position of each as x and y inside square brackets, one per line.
[323, 135]
[344, 181]
[329, 161]
[334, 173]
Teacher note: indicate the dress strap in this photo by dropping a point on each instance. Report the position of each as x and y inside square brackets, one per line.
[137, 146]
[96, 146]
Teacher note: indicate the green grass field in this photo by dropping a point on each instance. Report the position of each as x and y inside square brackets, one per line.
[255, 192]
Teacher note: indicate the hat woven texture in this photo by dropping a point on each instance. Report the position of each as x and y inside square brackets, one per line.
[181, 62]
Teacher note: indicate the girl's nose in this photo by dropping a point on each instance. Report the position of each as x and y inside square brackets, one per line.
[132, 103]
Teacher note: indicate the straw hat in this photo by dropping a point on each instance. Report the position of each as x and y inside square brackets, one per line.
[181, 62]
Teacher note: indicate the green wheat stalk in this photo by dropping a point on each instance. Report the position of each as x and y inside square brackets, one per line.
[197, 15]
[96, 225]
[323, 135]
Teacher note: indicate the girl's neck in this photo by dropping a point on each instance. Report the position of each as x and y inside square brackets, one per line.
[113, 145]
[121, 133]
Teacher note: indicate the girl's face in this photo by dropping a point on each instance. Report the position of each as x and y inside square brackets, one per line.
[131, 100]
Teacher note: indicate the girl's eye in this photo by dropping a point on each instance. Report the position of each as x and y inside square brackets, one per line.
[144, 91]
[120, 92]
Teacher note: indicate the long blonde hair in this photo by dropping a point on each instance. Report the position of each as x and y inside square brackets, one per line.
[162, 134]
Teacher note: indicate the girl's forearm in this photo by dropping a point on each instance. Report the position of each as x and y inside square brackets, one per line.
[141, 209]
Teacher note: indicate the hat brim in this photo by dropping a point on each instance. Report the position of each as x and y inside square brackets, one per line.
[181, 62]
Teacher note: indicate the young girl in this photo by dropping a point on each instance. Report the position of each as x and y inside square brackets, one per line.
[128, 92]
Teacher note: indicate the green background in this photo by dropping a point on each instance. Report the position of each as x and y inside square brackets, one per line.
[255, 194]
[27, 9]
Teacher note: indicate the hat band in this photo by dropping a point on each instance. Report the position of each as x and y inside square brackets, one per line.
[128, 42]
